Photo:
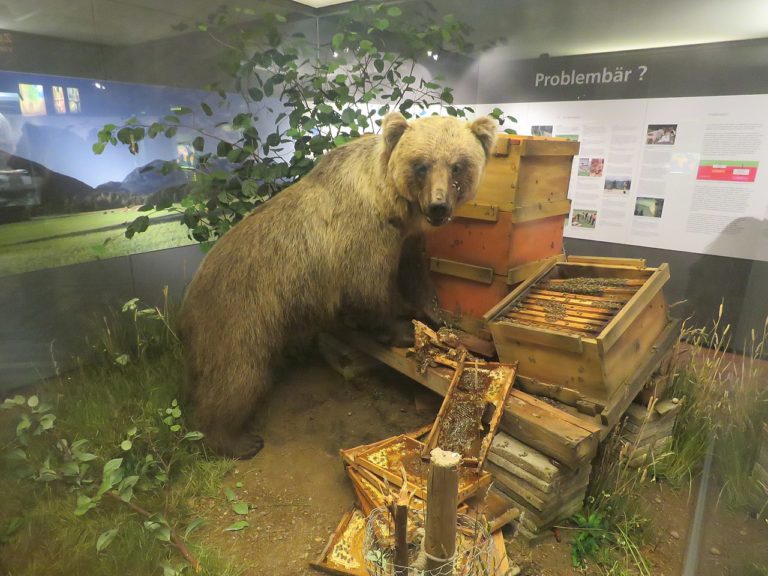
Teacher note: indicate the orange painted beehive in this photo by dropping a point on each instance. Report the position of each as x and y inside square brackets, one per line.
[513, 227]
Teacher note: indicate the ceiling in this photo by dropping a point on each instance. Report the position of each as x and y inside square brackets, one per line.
[532, 27]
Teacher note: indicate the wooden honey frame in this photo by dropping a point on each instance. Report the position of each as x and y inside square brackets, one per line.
[470, 481]
[324, 561]
[498, 401]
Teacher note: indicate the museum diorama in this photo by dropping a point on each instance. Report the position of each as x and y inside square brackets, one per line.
[405, 288]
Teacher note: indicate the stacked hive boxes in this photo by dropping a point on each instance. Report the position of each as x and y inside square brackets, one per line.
[514, 224]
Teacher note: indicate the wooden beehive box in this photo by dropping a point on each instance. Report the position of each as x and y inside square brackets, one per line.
[584, 325]
[515, 222]
[526, 175]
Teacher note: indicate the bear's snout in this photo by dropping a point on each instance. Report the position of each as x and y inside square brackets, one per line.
[438, 213]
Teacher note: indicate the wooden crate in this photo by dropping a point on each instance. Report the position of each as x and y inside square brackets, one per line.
[590, 344]
[527, 171]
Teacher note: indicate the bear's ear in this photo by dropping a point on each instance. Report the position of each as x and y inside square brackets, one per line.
[393, 127]
[484, 128]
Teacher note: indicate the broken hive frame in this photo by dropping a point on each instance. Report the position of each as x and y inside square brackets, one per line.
[386, 459]
[492, 383]
[343, 554]
[571, 439]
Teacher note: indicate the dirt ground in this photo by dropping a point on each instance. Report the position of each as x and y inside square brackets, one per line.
[298, 491]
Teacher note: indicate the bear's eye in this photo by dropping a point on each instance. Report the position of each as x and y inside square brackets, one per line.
[420, 169]
[457, 169]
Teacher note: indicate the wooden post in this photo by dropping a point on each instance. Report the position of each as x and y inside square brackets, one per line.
[398, 508]
[442, 501]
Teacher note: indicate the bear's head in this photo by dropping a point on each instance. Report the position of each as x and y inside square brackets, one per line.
[435, 163]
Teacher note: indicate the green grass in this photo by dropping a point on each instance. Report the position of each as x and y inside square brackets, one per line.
[48, 226]
[88, 246]
[725, 401]
[39, 532]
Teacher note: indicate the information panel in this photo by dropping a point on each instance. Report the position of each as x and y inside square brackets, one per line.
[684, 174]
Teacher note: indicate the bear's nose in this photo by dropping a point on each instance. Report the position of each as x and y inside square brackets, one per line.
[438, 211]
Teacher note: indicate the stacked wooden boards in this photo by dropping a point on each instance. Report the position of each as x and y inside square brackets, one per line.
[647, 431]
[545, 490]
[514, 224]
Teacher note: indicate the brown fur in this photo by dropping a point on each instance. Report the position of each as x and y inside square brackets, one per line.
[328, 243]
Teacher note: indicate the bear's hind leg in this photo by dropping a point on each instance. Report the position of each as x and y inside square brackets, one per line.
[224, 412]
[240, 445]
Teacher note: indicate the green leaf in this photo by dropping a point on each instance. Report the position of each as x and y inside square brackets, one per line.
[126, 445]
[237, 526]
[192, 526]
[366, 45]
[84, 503]
[231, 497]
[394, 11]
[46, 422]
[206, 109]
[112, 466]
[98, 147]
[193, 436]
[240, 508]
[198, 143]
[122, 359]
[337, 40]
[33, 401]
[280, 18]
[105, 539]
[381, 23]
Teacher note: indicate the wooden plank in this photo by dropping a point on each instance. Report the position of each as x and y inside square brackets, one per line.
[608, 261]
[585, 423]
[540, 324]
[567, 396]
[518, 472]
[545, 429]
[503, 330]
[584, 301]
[628, 282]
[617, 297]
[526, 458]
[574, 312]
[481, 274]
[567, 321]
[345, 360]
[501, 561]
[523, 272]
[577, 269]
[478, 211]
[521, 214]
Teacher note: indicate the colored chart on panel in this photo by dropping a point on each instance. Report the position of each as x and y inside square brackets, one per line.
[727, 170]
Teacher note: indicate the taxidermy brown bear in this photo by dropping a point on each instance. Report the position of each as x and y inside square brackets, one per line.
[330, 243]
